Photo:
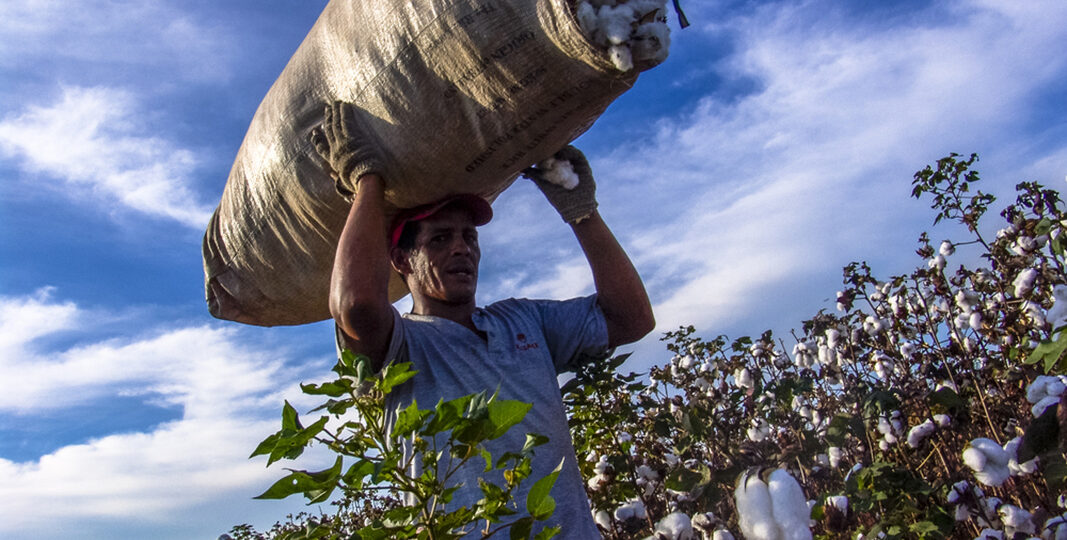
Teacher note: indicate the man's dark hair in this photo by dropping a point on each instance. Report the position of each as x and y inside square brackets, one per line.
[406, 242]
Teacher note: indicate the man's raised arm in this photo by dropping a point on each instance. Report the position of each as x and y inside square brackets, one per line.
[359, 297]
[620, 292]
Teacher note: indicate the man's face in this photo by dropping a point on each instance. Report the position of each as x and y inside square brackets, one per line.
[443, 264]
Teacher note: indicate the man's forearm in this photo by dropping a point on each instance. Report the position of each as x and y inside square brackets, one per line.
[359, 299]
[620, 291]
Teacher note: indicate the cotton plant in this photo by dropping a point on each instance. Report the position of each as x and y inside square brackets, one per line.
[881, 402]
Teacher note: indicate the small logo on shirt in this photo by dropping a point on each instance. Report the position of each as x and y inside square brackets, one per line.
[522, 345]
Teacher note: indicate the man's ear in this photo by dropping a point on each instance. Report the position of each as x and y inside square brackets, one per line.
[399, 259]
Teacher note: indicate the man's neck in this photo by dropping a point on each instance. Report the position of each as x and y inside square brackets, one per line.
[457, 313]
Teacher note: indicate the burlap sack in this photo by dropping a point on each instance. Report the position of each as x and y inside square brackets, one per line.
[461, 95]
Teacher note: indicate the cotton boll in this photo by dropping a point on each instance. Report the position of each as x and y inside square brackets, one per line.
[671, 459]
[937, 263]
[723, 534]
[633, 509]
[1045, 386]
[832, 336]
[1039, 408]
[990, 534]
[1036, 314]
[966, 300]
[943, 420]
[907, 349]
[920, 432]
[621, 57]
[743, 378]
[674, 526]
[1023, 246]
[1055, 528]
[835, 454]
[1057, 314]
[602, 466]
[947, 383]
[988, 460]
[596, 482]
[754, 508]
[603, 520]
[838, 501]
[1016, 468]
[789, 506]
[759, 431]
[1015, 520]
[1024, 282]
[947, 249]
[644, 472]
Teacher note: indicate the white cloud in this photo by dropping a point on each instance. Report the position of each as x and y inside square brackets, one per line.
[814, 169]
[38, 33]
[229, 394]
[94, 141]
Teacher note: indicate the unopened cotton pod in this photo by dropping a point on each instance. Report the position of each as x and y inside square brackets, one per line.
[461, 95]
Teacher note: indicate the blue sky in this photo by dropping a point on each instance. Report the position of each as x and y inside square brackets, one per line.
[774, 146]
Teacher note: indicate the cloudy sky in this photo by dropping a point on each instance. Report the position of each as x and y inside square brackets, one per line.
[776, 145]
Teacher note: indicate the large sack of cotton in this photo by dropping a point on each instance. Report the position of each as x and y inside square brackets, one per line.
[461, 95]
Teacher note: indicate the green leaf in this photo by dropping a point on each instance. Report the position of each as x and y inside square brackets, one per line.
[686, 480]
[520, 530]
[396, 374]
[446, 415]
[841, 426]
[1054, 469]
[1049, 352]
[316, 486]
[353, 478]
[570, 386]
[291, 445]
[325, 389]
[947, 398]
[923, 527]
[1041, 435]
[506, 413]
[532, 440]
[409, 419]
[266, 446]
[538, 502]
[290, 419]
[548, 532]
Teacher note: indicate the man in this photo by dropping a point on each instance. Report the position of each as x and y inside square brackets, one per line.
[518, 346]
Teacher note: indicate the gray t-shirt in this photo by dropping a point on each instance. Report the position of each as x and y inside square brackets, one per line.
[529, 343]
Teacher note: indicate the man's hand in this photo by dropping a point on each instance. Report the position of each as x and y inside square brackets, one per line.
[576, 204]
[343, 143]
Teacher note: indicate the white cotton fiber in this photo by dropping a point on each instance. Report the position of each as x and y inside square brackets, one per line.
[559, 172]
[622, 58]
[754, 508]
[675, 526]
[789, 506]
[631, 30]
[616, 23]
[586, 15]
[1057, 314]
[651, 41]
[988, 460]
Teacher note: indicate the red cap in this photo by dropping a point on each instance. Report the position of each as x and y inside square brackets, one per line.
[478, 207]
